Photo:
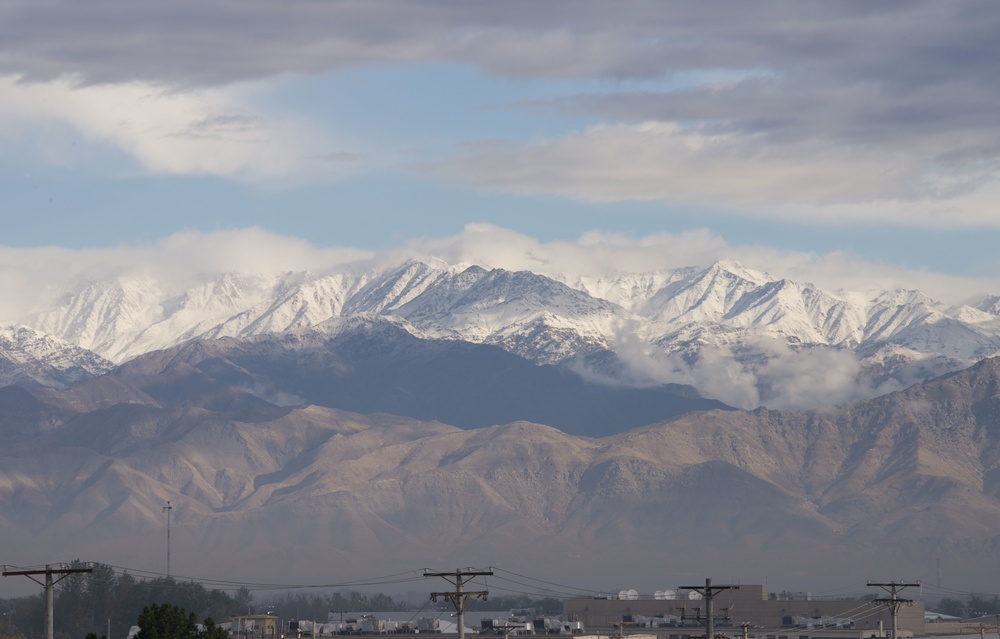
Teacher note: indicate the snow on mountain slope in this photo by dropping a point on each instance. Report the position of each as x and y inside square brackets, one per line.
[512, 310]
[29, 357]
[703, 296]
[990, 305]
[628, 290]
[105, 316]
[724, 328]
[385, 294]
[299, 300]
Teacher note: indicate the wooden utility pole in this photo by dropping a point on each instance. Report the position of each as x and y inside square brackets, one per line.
[709, 592]
[458, 596]
[893, 602]
[49, 571]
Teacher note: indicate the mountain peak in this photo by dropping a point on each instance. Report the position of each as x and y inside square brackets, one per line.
[733, 267]
[30, 357]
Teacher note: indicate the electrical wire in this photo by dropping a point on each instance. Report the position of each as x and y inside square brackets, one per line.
[562, 587]
[505, 581]
[221, 584]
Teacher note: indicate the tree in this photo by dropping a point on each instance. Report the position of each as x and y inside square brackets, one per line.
[72, 609]
[105, 601]
[243, 598]
[213, 631]
[101, 591]
[166, 621]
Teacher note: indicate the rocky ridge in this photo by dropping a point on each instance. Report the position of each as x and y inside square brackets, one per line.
[883, 486]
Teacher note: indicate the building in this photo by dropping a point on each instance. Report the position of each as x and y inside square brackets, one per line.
[255, 627]
[801, 617]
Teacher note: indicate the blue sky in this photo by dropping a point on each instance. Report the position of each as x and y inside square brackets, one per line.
[808, 128]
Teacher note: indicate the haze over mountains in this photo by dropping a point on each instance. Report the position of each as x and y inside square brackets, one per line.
[309, 494]
[373, 365]
[338, 426]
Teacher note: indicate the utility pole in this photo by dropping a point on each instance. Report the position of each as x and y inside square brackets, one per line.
[458, 596]
[49, 571]
[893, 602]
[709, 592]
[981, 628]
[507, 628]
[167, 510]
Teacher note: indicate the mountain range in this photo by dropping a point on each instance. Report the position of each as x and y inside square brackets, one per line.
[902, 484]
[323, 428]
[737, 335]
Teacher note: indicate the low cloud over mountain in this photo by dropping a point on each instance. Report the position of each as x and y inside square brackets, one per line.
[374, 365]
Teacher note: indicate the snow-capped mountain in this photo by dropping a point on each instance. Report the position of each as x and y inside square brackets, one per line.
[31, 358]
[736, 334]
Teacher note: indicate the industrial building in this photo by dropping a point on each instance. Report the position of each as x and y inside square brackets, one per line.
[747, 611]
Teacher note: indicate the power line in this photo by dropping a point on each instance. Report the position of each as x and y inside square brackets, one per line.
[398, 578]
[548, 583]
[548, 591]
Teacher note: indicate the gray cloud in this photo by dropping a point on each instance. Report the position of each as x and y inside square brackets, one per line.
[814, 107]
[894, 44]
[841, 103]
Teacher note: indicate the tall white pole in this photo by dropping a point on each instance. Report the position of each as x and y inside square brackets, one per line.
[167, 510]
[49, 597]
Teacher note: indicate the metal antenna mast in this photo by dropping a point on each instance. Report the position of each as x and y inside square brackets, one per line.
[709, 592]
[63, 571]
[892, 602]
[458, 596]
[167, 510]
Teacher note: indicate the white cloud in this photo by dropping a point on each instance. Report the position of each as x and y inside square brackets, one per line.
[31, 279]
[770, 374]
[596, 251]
[214, 132]
[600, 252]
[818, 179]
